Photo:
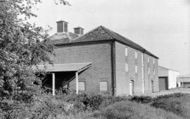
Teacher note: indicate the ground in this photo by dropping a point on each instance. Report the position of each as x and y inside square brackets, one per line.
[171, 91]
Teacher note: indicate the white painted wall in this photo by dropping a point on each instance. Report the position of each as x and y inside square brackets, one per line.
[172, 79]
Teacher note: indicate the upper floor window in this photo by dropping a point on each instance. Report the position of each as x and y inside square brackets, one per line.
[148, 59]
[154, 71]
[136, 69]
[126, 51]
[153, 61]
[126, 67]
[136, 55]
[149, 70]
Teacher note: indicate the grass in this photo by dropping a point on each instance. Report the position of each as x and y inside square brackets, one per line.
[175, 106]
[132, 110]
[176, 103]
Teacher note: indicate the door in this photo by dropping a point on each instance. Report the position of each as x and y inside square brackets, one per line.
[152, 86]
[163, 83]
[131, 87]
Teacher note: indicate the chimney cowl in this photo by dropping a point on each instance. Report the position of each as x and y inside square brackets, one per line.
[62, 26]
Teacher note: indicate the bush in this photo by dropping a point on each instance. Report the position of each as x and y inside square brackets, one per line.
[24, 96]
[90, 102]
[85, 101]
[132, 110]
[42, 107]
[141, 99]
[13, 110]
[176, 103]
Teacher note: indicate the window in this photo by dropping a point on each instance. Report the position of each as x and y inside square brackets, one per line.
[126, 52]
[126, 67]
[81, 86]
[148, 59]
[149, 70]
[136, 69]
[153, 61]
[136, 55]
[103, 86]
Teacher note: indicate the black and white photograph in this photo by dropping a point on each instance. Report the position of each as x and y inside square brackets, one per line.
[94, 59]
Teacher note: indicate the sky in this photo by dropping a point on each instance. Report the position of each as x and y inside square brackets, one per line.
[160, 26]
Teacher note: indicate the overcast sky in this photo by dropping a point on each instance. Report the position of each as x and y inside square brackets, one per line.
[160, 26]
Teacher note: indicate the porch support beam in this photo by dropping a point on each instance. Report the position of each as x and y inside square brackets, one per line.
[53, 84]
[77, 82]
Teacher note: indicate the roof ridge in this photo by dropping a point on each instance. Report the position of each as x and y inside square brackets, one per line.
[112, 33]
[107, 31]
[84, 34]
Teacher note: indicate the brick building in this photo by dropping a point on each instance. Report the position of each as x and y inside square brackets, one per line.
[101, 61]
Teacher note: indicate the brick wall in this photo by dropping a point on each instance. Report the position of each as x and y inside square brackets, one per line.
[100, 56]
[151, 74]
[124, 77]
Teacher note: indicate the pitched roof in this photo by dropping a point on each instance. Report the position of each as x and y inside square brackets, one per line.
[101, 34]
[60, 38]
[65, 67]
[165, 68]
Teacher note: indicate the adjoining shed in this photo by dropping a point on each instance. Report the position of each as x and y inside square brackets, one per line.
[167, 78]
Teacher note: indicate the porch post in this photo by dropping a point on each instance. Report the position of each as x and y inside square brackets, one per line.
[77, 82]
[53, 84]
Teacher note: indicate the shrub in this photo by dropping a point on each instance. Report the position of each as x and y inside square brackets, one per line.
[42, 107]
[92, 102]
[87, 102]
[141, 99]
[132, 110]
[13, 110]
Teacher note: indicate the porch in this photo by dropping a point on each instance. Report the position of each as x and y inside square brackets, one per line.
[61, 74]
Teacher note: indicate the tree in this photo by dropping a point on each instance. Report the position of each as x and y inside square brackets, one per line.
[22, 46]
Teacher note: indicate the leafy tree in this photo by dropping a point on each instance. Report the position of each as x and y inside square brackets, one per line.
[22, 46]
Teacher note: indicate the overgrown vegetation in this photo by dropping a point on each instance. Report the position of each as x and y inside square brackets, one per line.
[132, 110]
[85, 106]
[22, 47]
[176, 103]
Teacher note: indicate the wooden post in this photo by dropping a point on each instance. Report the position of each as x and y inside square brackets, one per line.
[143, 80]
[53, 84]
[77, 82]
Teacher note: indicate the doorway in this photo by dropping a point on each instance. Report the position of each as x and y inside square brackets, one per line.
[131, 87]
